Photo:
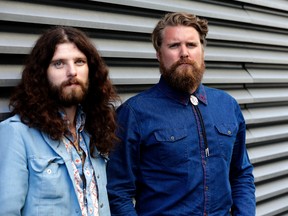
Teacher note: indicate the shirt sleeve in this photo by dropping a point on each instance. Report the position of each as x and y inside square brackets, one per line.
[13, 170]
[241, 175]
[122, 165]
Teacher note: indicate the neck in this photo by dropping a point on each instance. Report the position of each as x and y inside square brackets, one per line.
[71, 113]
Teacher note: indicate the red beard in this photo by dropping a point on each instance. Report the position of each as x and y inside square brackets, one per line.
[184, 75]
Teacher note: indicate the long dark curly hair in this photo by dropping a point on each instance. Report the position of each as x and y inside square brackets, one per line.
[32, 101]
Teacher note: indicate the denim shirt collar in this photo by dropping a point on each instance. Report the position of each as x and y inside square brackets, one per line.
[182, 97]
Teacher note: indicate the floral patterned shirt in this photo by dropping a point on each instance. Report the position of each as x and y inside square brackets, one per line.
[84, 177]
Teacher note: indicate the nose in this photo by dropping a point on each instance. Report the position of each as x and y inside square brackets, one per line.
[184, 52]
[71, 69]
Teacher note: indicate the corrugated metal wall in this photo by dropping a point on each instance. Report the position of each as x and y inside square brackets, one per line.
[247, 55]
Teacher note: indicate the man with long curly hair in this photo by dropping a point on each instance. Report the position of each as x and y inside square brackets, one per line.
[54, 148]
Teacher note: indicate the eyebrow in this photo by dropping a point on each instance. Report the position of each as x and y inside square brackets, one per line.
[75, 58]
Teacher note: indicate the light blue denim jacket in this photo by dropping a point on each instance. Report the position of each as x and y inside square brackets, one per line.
[36, 175]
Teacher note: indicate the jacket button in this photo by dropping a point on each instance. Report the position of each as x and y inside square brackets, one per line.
[49, 171]
[172, 138]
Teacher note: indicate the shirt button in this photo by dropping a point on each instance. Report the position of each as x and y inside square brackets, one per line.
[101, 205]
[49, 171]
[206, 188]
[172, 138]
[98, 176]
[229, 132]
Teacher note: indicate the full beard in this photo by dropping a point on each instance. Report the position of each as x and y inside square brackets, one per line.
[72, 97]
[184, 75]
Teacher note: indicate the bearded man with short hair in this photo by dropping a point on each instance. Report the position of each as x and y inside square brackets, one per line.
[182, 150]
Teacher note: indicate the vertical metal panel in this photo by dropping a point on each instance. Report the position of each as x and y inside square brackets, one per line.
[246, 56]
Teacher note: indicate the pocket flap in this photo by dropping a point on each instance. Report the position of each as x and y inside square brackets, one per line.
[170, 135]
[226, 129]
[40, 164]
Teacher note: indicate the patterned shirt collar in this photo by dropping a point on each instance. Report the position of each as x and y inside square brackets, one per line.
[80, 118]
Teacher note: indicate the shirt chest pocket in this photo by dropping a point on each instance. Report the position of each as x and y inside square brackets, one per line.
[226, 134]
[46, 174]
[172, 146]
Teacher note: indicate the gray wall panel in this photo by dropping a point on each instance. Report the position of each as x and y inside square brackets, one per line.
[246, 55]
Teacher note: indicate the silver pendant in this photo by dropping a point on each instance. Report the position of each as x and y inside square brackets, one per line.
[194, 100]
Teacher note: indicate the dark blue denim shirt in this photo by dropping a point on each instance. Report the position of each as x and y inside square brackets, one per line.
[161, 160]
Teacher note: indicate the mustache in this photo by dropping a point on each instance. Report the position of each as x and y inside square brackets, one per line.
[185, 61]
[71, 81]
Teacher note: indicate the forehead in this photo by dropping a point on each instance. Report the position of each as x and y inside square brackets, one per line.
[180, 33]
[67, 49]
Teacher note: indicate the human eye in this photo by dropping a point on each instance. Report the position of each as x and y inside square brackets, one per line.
[191, 45]
[173, 45]
[80, 61]
[58, 63]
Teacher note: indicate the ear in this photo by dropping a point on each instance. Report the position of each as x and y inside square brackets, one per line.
[158, 55]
